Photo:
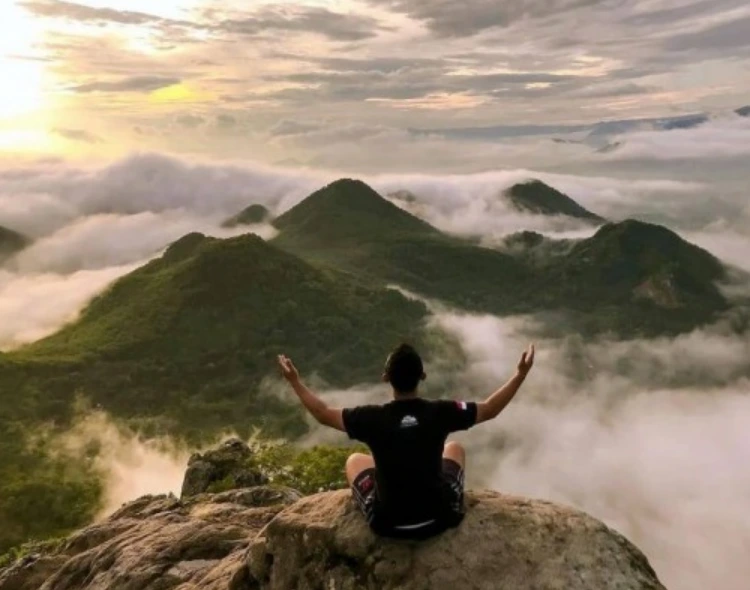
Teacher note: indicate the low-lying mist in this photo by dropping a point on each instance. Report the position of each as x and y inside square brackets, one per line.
[130, 466]
[36, 305]
[664, 466]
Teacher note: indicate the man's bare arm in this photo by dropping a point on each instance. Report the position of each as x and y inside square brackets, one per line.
[317, 407]
[496, 403]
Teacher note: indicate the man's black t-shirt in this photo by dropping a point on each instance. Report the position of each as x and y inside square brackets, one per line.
[406, 438]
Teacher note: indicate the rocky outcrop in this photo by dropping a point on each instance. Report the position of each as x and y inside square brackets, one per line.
[229, 466]
[504, 543]
[270, 539]
[158, 543]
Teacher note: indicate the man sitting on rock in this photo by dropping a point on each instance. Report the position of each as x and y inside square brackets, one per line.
[412, 484]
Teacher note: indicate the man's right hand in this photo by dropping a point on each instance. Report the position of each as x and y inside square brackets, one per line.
[288, 370]
[527, 361]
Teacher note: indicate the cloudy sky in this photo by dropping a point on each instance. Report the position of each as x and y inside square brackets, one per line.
[276, 81]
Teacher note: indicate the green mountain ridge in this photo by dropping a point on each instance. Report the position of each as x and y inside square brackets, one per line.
[205, 321]
[534, 196]
[348, 210]
[615, 281]
[347, 225]
[638, 272]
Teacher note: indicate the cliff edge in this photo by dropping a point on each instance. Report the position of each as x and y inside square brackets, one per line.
[273, 538]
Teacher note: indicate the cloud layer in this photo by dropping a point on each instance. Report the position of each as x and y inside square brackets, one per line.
[35, 305]
[662, 465]
[136, 73]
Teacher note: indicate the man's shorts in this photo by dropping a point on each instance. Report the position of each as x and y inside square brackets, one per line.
[365, 495]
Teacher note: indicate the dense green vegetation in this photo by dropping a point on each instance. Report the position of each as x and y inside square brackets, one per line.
[189, 338]
[537, 197]
[42, 493]
[349, 212]
[634, 276]
[309, 470]
[183, 346]
[251, 215]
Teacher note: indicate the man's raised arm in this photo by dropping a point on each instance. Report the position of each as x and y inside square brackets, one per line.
[316, 406]
[493, 405]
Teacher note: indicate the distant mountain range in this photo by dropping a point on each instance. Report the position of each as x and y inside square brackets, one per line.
[531, 196]
[635, 277]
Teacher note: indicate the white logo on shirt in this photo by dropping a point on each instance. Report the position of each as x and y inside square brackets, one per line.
[409, 421]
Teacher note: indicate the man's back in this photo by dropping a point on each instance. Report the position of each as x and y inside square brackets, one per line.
[411, 485]
[407, 437]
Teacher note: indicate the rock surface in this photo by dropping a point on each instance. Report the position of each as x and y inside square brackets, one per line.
[509, 543]
[269, 539]
[229, 466]
[157, 543]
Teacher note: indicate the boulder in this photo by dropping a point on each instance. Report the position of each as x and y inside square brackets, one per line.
[321, 543]
[230, 466]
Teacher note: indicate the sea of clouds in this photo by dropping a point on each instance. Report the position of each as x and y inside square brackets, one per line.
[648, 435]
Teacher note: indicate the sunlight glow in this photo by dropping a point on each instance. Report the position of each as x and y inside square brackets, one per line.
[27, 140]
[21, 92]
[178, 93]
[21, 88]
